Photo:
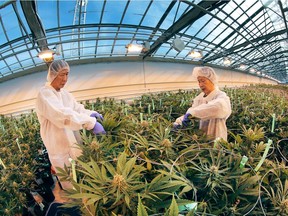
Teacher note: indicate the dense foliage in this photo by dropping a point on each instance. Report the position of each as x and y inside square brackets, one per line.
[143, 167]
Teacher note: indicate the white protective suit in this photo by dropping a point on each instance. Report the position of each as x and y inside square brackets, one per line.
[213, 111]
[61, 117]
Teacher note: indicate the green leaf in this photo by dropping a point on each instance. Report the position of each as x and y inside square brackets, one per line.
[110, 168]
[96, 169]
[141, 211]
[121, 163]
[253, 180]
[251, 192]
[85, 195]
[88, 170]
[128, 167]
[104, 174]
[127, 199]
[139, 139]
[86, 187]
[173, 209]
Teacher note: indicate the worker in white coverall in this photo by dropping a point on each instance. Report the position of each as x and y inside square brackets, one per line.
[212, 106]
[61, 117]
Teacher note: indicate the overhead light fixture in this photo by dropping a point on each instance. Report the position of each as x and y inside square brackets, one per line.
[145, 46]
[46, 55]
[196, 54]
[226, 61]
[134, 47]
[252, 70]
[178, 44]
[242, 66]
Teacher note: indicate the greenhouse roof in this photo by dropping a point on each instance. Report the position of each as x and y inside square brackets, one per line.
[252, 34]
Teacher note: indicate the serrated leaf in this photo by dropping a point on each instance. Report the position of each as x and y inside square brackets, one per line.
[86, 187]
[88, 170]
[173, 209]
[121, 163]
[141, 211]
[128, 167]
[185, 189]
[110, 168]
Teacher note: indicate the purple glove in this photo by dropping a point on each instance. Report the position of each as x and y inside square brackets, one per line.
[98, 129]
[186, 119]
[97, 115]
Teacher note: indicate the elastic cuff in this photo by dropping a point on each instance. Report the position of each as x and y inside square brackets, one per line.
[90, 125]
[190, 111]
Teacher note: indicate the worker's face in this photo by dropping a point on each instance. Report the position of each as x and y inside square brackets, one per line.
[61, 79]
[205, 85]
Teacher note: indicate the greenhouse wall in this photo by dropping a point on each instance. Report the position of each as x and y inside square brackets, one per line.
[120, 80]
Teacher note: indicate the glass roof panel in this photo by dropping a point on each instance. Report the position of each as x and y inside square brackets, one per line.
[155, 13]
[113, 12]
[47, 20]
[174, 14]
[199, 24]
[11, 31]
[252, 6]
[243, 30]
[135, 12]
[93, 13]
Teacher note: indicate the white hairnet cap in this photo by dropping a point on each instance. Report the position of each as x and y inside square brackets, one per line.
[55, 67]
[207, 72]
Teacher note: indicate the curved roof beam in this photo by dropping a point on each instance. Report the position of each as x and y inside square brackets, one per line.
[3, 5]
[234, 32]
[283, 14]
[187, 19]
[34, 23]
[223, 21]
[233, 49]
[171, 5]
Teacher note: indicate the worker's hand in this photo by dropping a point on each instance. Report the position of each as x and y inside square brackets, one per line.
[98, 129]
[176, 126]
[178, 123]
[97, 115]
[186, 119]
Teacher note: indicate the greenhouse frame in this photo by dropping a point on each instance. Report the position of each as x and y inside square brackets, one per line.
[143, 130]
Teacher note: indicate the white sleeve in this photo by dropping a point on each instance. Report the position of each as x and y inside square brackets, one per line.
[220, 107]
[78, 107]
[49, 106]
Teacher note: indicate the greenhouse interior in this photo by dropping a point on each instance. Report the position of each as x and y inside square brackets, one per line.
[143, 107]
